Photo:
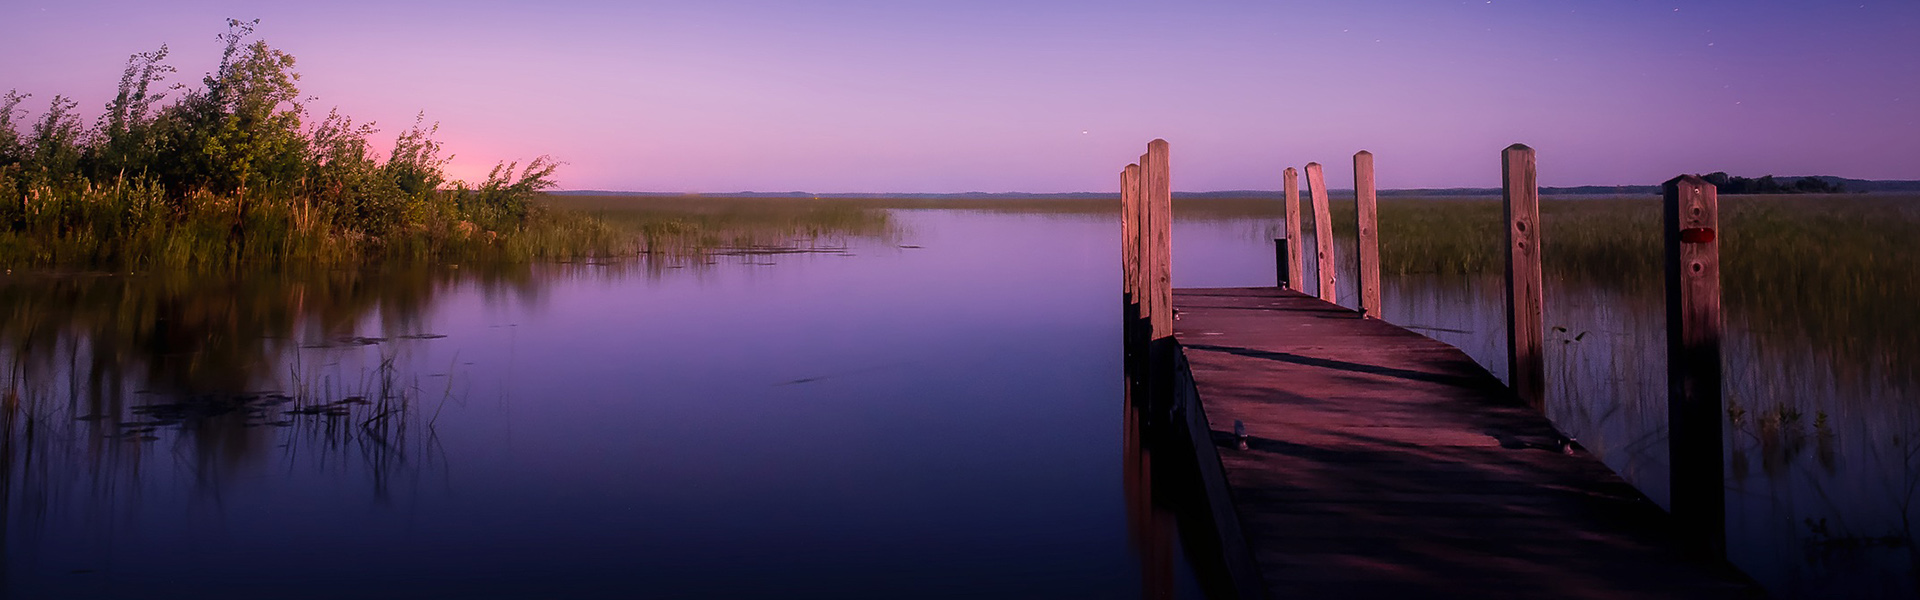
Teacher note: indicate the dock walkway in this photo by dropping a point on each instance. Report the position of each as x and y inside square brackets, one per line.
[1380, 463]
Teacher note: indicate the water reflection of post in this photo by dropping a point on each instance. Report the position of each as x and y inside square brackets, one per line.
[9, 411]
[1146, 215]
[1150, 527]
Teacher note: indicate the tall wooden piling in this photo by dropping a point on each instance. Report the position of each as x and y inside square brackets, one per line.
[1322, 231]
[1156, 195]
[1290, 195]
[1142, 260]
[1694, 408]
[1130, 236]
[1366, 216]
[1520, 188]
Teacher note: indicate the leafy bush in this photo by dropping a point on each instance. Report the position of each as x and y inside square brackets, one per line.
[233, 170]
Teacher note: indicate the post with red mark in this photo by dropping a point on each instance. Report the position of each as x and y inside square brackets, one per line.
[1526, 363]
[1366, 227]
[1694, 406]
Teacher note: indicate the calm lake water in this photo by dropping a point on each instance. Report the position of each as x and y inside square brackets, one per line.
[885, 422]
[935, 414]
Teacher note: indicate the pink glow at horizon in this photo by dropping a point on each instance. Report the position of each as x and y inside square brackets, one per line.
[908, 96]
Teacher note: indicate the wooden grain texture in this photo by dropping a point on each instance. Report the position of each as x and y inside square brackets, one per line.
[1290, 182]
[1526, 362]
[1322, 232]
[1366, 217]
[1694, 405]
[1143, 220]
[1384, 464]
[1156, 191]
[1130, 233]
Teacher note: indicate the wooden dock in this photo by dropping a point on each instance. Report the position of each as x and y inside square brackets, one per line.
[1379, 463]
[1342, 456]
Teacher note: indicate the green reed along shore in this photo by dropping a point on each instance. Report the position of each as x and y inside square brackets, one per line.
[235, 171]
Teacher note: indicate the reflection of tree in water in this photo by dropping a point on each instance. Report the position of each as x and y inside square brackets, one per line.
[112, 381]
[107, 374]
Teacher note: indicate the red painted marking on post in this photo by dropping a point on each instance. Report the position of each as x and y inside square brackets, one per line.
[1696, 235]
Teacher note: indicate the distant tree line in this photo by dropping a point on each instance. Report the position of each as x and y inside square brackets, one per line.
[233, 169]
[1731, 184]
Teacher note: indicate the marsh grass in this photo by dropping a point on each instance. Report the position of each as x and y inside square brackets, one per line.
[1829, 271]
[1835, 271]
[691, 227]
[1187, 208]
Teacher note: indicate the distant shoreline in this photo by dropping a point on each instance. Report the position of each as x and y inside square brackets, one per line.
[1853, 186]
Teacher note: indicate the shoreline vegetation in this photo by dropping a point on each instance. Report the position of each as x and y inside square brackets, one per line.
[232, 172]
[235, 172]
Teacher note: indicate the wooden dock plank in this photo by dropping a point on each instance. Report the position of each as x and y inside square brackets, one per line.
[1381, 463]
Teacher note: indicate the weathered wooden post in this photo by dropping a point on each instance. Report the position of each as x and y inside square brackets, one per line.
[1694, 407]
[1130, 236]
[1155, 359]
[1131, 325]
[1322, 230]
[1156, 195]
[1291, 276]
[1526, 365]
[1143, 223]
[1366, 216]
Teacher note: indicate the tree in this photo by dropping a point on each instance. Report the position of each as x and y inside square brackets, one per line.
[54, 150]
[243, 129]
[12, 150]
[124, 135]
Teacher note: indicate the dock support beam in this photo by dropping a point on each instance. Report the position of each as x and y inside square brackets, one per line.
[1526, 365]
[1691, 210]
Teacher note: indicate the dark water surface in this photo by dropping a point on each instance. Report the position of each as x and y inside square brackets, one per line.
[941, 420]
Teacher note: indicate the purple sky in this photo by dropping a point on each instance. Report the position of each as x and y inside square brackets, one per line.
[948, 96]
